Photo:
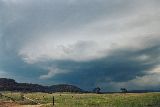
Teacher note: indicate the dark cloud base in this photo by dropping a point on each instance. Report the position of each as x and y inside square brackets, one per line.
[120, 66]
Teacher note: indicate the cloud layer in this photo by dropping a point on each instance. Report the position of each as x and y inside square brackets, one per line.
[88, 43]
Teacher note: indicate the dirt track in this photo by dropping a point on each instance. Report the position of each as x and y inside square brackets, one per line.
[27, 106]
[13, 104]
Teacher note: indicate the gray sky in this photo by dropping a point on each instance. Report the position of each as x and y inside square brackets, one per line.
[88, 43]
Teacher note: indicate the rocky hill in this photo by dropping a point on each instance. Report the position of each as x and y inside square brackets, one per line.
[12, 85]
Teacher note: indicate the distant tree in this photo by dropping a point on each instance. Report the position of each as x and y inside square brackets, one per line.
[123, 90]
[96, 90]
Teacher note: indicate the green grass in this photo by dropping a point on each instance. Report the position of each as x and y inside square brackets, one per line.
[91, 100]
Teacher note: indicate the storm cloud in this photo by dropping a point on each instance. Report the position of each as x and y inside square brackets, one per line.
[88, 43]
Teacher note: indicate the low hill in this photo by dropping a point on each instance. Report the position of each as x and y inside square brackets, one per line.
[12, 85]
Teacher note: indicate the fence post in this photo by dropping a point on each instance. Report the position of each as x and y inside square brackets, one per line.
[53, 100]
[22, 97]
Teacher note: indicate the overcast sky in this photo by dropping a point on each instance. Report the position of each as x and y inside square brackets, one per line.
[87, 43]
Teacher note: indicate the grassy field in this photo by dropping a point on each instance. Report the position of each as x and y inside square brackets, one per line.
[88, 100]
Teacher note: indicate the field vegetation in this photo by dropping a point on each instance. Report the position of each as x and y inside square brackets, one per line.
[84, 100]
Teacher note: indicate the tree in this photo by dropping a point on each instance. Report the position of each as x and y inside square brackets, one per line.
[123, 90]
[96, 90]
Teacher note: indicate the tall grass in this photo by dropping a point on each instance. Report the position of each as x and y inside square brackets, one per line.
[92, 100]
